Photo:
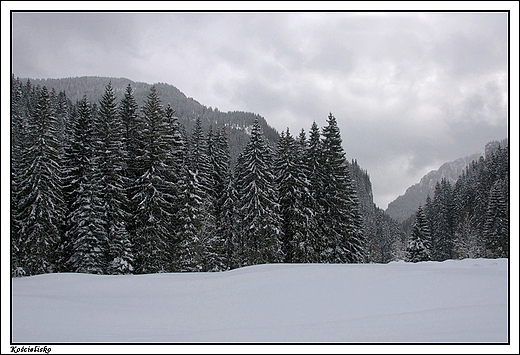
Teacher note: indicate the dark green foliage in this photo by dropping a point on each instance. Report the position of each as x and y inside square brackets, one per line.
[220, 164]
[152, 190]
[496, 228]
[339, 215]
[200, 246]
[419, 244]
[471, 220]
[187, 109]
[110, 177]
[299, 226]
[85, 243]
[259, 235]
[443, 221]
[131, 126]
[40, 206]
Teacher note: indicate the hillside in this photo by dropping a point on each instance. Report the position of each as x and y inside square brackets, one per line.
[405, 205]
[451, 301]
[186, 108]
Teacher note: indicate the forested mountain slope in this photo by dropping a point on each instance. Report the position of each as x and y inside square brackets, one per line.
[405, 205]
[187, 109]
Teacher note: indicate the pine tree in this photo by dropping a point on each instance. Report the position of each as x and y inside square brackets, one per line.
[419, 246]
[68, 116]
[496, 229]
[229, 227]
[111, 181]
[443, 220]
[19, 132]
[133, 146]
[296, 203]
[468, 241]
[83, 249]
[197, 233]
[41, 207]
[258, 240]
[152, 190]
[313, 158]
[220, 162]
[341, 218]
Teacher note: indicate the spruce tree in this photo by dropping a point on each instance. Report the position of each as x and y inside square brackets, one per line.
[180, 181]
[85, 242]
[110, 178]
[229, 227]
[19, 133]
[259, 236]
[467, 239]
[220, 165]
[419, 246]
[152, 190]
[295, 200]
[133, 146]
[197, 236]
[313, 158]
[342, 225]
[443, 221]
[40, 210]
[496, 229]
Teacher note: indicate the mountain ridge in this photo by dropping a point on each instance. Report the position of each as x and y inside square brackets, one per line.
[187, 109]
[405, 205]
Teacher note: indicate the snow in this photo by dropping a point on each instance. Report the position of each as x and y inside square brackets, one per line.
[453, 301]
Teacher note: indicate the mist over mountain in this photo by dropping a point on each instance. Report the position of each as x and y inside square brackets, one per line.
[405, 205]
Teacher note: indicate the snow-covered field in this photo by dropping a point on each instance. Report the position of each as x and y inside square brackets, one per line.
[452, 301]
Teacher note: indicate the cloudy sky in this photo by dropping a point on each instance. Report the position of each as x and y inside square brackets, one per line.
[410, 91]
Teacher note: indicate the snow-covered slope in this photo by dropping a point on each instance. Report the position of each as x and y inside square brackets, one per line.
[451, 301]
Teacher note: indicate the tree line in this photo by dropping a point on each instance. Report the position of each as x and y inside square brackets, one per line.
[469, 219]
[114, 188]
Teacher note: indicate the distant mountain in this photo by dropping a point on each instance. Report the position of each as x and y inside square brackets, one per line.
[238, 123]
[405, 205]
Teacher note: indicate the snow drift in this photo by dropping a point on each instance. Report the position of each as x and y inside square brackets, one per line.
[452, 301]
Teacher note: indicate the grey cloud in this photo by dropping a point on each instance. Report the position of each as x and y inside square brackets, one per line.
[409, 90]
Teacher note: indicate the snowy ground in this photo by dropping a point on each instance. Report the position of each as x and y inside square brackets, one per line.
[452, 301]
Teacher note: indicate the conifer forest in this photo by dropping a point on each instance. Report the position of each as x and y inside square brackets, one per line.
[114, 187]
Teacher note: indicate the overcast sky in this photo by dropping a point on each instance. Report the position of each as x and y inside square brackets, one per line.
[410, 91]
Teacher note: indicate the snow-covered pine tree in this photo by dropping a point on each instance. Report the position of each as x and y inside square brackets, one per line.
[85, 243]
[295, 200]
[419, 244]
[220, 163]
[443, 221]
[19, 132]
[468, 242]
[229, 227]
[313, 158]
[258, 240]
[468, 238]
[496, 228]
[197, 231]
[341, 219]
[67, 112]
[41, 208]
[133, 145]
[110, 180]
[152, 190]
